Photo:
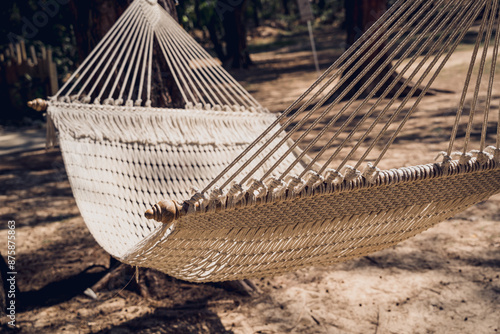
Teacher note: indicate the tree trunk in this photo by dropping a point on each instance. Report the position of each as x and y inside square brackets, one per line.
[286, 10]
[232, 15]
[360, 16]
[257, 5]
[214, 38]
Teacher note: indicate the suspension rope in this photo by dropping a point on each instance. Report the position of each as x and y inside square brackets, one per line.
[351, 85]
[468, 77]
[101, 46]
[379, 85]
[489, 93]
[426, 88]
[113, 48]
[131, 36]
[488, 12]
[354, 52]
[422, 48]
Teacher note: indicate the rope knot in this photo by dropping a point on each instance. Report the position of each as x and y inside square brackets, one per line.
[351, 173]
[189, 105]
[313, 178]
[333, 176]
[446, 159]
[129, 103]
[196, 197]
[118, 102]
[216, 193]
[235, 188]
[483, 157]
[295, 183]
[109, 101]
[257, 188]
[87, 99]
[274, 183]
[465, 158]
[495, 151]
[97, 101]
[371, 172]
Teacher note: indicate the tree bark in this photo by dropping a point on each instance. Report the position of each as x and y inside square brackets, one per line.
[94, 18]
[360, 16]
[257, 6]
[232, 15]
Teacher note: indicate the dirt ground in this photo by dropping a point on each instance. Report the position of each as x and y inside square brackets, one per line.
[445, 280]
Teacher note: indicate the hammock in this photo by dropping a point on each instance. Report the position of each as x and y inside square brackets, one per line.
[267, 207]
[120, 153]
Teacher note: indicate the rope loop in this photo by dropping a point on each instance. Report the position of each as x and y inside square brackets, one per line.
[371, 172]
[446, 158]
[495, 151]
[483, 157]
[333, 176]
[197, 197]
[276, 186]
[465, 158]
[295, 183]
[235, 189]
[313, 178]
[351, 173]
[109, 101]
[216, 193]
[257, 188]
[274, 183]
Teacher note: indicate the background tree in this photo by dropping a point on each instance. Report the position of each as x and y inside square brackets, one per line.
[360, 16]
[235, 32]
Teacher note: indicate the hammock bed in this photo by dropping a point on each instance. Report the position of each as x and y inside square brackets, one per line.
[265, 206]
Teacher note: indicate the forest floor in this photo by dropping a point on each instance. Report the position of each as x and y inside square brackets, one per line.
[445, 280]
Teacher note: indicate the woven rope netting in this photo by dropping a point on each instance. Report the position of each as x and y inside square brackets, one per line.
[258, 225]
[266, 206]
[123, 148]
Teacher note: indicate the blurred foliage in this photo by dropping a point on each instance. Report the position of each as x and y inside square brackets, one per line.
[48, 22]
[37, 22]
[26, 20]
[199, 13]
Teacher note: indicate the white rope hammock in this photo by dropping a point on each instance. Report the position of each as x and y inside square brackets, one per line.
[266, 207]
[122, 150]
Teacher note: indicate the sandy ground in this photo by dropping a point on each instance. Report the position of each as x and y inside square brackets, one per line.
[445, 280]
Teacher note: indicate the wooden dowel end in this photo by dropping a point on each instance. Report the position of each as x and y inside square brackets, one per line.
[39, 104]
